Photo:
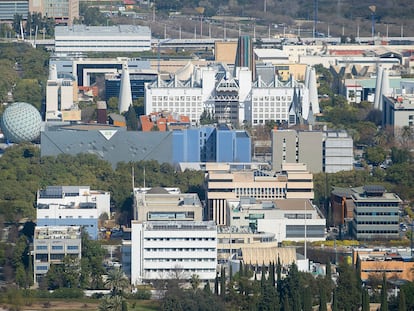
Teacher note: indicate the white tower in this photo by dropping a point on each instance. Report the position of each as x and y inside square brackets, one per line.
[52, 72]
[378, 84]
[125, 95]
[313, 92]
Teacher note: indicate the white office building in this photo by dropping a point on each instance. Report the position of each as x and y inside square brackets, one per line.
[288, 220]
[233, 98]
[171, 250]
[72, 206]
[51, 245]
[78, 39]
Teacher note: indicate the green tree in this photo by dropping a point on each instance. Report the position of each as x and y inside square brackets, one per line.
[375, 155]
[322, 300]
[117, 281]
[347, 294]
[402, 305]
[365, 300]
[29, 91]
[131, 119]
[111, 303]
[307, 299]
[384, 294]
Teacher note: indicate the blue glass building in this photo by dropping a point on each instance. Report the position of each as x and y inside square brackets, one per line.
[211, 144]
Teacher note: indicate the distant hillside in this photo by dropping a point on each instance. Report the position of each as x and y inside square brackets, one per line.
[339, 16]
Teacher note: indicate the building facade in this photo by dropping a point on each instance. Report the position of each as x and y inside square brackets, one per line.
[332, 151]
[161, 204]
[64, 12]
[72, 206]
[8, 9]
[287, 219]
[398, 112]
[173, 250]
[376, 214]
[224, 183]
[395, 263]
[51, 245]
[233, 96]
[116, 144]
[78, 39]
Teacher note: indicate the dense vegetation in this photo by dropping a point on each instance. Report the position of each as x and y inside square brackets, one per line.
[24, 172]
[24, 71]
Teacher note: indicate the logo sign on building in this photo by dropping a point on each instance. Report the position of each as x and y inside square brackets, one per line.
[108, 133]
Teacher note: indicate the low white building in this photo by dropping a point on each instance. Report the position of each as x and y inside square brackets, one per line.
[51, 245]
[287, 219]
[173, 250]
[78, 39]
[72, 206]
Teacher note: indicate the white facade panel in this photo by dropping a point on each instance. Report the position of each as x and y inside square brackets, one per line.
[173, 249]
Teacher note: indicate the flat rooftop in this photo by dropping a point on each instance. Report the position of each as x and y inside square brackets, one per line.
[102, 31]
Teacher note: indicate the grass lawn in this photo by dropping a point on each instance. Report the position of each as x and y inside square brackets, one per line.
[78, 305]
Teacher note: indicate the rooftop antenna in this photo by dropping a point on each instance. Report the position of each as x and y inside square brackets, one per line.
[315, 21]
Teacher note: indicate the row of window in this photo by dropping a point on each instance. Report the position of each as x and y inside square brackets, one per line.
[271, 109]
[179, 249]
[377, 222]
[57, 247]
[276, 116]
[377, 231]
[375, 213]
[272, 98]
[180, 239]
[180, 259]
[178, 105]
[176, 98]
[179, 270]
[376, 204]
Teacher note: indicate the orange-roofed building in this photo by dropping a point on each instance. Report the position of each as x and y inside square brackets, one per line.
[163, 122]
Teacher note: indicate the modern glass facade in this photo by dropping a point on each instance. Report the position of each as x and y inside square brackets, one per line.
[9, 8]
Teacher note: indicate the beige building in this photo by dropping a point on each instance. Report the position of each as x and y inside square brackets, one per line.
[225, 51]
[395, 263]
[63, 11]
[223, 184]
[235, 243]
[166, 204]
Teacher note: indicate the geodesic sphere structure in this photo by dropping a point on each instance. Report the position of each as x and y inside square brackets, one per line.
[21, 122]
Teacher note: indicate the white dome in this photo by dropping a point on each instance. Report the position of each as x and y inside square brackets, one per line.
[21, 122]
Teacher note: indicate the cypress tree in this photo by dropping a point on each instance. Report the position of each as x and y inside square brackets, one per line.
[402, 305]
[307, 299]
[335, 301]
[286, 305]
[216, 284]
[223, 282]
[365, 300]
[241, 272]
[322, 299]
[272, 273]
[384, 295]
[263, 278]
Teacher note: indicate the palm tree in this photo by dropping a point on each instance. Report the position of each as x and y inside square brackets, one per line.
[111, 303]
[195, 282]
[116, 281]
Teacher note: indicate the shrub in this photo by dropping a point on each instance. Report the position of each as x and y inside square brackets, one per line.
[67, 293]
